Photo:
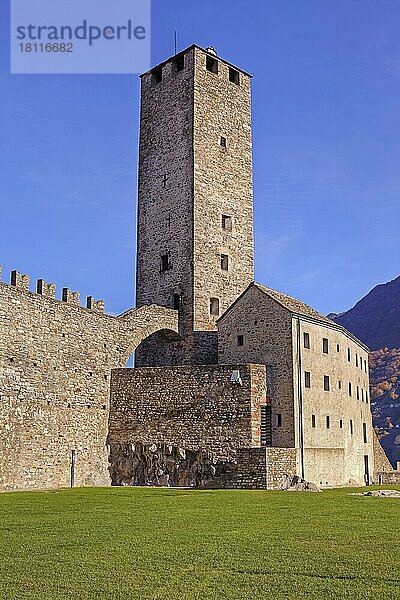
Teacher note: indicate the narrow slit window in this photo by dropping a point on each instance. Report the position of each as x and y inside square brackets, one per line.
[350, 389]
[224, 262]
[278, 420]
[214, 307]
[326, 383]
[325, 345]
[313, 421]
[365, 433]
[234, 76]
[348, 354]
[165, 262]
[177, 301]
[306, 338]
[227, 222]
[328, 422]
[240, 340]
[351, 427]
[222, 141]
[341, 423]
[307, 379]
[211, 64]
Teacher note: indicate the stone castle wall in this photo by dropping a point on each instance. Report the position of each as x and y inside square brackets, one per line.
[55, 368]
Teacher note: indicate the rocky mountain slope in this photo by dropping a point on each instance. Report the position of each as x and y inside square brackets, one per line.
[375, 320]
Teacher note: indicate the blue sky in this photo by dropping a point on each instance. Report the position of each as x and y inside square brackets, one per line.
[326, 135]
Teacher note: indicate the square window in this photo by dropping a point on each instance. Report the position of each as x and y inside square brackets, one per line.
[325, 345]
[157, 75]
[306, 337]
[165, 262]
[214, 307]
[224, 262]
[240, 340]
[211, 64]
[326, 383]
[307, 379]
[222, 141]
[227, 222]
[234, 76]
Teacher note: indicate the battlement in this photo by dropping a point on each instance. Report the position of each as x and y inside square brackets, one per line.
[48, 290]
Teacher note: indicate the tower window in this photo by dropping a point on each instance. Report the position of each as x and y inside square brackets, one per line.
[350, 389]
[177, 301]
[224, 262]
[326, 383]
[222, 141]
[325, 345]
[339, 383]
[328, 422]
[365, 433]
[214, 307]
[211, 64]
[307, 379]
[351, 427]
[179, 62]
[341, 424]
[313, 421]
[358, 393]
[278, 420]
[165, 262]
[356, 359]
[240, 340]
[227, 222]
[157, 75]
[233, 76]
[337, 348]
[348, 354]
[306, 337]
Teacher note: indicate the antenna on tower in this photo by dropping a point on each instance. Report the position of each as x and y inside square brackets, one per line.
[175, 38]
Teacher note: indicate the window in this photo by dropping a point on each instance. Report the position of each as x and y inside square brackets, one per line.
[227, 222]
[337, 348]
[365, 433]
[240, 340]
[362, 395]
[179, 62]
[326, 383]
[306, 337]
[278, 420]
[233, 76]
[222, 141]
[351, 427]
[358, 393]
[214, 307]
[313, 421]
[339, 384]
[350, 389]
[157, 75]
[211, 64]
[325, 345]
[341, 424]
[356, 359]
[307, 379]
[365, 365]
[366, 396]
[266, 425]
[165, 262]
[224, 262]
[349, 354]
[177, 301]
[328, 422]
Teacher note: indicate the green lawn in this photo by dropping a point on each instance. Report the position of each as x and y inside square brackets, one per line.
[122, 543]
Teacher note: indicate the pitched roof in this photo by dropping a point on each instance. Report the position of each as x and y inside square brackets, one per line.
[293, 304]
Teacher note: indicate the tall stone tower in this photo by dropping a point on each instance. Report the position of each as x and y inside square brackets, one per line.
[195, 247]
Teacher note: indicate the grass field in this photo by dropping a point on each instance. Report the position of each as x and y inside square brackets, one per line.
[123, 543]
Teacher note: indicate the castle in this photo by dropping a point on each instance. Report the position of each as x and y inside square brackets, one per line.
[235, 385]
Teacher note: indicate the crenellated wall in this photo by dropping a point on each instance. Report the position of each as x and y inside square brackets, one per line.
[55, 367]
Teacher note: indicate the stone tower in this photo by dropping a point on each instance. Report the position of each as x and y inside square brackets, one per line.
[195, 247]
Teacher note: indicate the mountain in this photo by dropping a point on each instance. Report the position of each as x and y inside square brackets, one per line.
[375, 320]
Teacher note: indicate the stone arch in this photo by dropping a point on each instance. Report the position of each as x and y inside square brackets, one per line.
[140, 323]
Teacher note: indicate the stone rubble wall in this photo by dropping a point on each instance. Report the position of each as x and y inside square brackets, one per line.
[55, 369]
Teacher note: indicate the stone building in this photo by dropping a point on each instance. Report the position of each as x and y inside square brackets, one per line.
[235, 385]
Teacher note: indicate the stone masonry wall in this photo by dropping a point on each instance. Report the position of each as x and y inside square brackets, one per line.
[55, 366]
[194, 408]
